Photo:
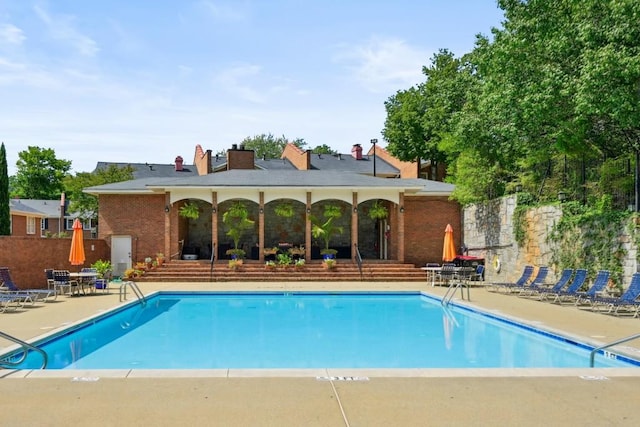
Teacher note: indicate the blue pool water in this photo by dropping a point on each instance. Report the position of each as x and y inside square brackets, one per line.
[305, 330]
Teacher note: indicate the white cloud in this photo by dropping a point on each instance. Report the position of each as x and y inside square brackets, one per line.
[11, 35]
[61, 28]
[384, 65]
[223, 12]
[236, 80]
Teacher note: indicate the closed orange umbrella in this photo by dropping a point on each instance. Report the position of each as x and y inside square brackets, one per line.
[449, 248]
[76, 255]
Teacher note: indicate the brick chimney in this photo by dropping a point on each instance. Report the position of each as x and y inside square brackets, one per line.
[356, 151]
[179, 161]
[239, 158]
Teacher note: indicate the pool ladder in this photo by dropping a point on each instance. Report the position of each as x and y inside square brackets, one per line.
[453, 287]
[25, 352]
[136, 291]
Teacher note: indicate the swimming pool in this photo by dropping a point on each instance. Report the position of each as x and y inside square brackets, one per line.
[214, 330]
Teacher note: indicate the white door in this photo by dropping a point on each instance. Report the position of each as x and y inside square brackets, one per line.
[120, 254]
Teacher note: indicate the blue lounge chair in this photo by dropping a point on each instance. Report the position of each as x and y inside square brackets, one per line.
[535, 284]
[526, 275]
[8, 300]
[570, 292]
[9, 288]
[627, 301]
[540, 290]
[599, 283]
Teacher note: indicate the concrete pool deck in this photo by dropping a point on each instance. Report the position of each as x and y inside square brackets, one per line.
[525, 397]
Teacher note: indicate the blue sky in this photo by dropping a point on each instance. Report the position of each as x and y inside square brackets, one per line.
[147, 80]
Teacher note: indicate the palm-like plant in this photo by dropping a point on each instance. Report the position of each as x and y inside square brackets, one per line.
[327, 229]
[236, 219]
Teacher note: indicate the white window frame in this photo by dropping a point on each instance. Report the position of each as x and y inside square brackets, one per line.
[31, 225]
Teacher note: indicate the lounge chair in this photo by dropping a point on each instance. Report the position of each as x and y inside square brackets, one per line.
[570, 292]
[564, 278]
[28, 295]
[627, 301]
[8, 300]
[526, 275]
[537, 283]
[599, 283]
[446, 273]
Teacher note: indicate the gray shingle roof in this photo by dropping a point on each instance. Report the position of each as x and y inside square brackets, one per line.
[33, 207]
[151, 170]
[265, 179]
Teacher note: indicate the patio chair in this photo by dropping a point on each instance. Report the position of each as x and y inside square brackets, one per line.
[48, 273]
[446, 273]
[526, 275]
[627, 301]
[570, 292]
[599, 283]
[29, 295]
[7, 300]
[62, 281]
[88, 282]
[478, 274]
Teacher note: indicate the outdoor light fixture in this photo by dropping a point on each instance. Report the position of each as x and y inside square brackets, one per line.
[261, 210]
[562, 196]
[374, 142]
[167, 208]
[355, 209]
[213, 209]
[401, 209]
[308, 210]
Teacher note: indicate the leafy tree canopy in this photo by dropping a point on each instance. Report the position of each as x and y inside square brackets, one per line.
[269, 146]
[86, 205]
[5, 212]
[39, 174]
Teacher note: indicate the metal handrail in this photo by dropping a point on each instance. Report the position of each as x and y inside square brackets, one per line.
[592, 356]
[446, 299]
[26, 346]
[358, 260]
[138, 292]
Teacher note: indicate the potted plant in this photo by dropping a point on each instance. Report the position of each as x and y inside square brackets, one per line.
[237, 221]
[234, 264]
[160, 258]
[270, 251]
[236, 253]
[189, 210]
[325, 230]
[149, 262]
[284, 260]
[284, 209]
[299, 264]
[329, 263]
[103, 268]
[378, 211]
[269, 265]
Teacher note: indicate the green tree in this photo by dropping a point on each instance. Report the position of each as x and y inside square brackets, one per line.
[86, 205]
[323, 149]
[5, 212]
[269, 146]
[40, 174]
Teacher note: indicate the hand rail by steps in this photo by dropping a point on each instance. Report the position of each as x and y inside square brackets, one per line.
[26, 347]
[611, 344]
[453, 286]
[136, 291]
[358, 260]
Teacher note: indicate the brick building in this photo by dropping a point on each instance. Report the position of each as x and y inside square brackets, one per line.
[140, 218]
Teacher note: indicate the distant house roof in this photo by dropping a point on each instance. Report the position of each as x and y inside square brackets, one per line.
[37, 208]
[152, 170]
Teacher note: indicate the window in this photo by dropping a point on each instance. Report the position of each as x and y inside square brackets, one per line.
[44, 224]
[31, 225]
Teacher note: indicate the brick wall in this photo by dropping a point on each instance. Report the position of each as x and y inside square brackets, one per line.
[27, 257]
[300, 159]
[407, 169]
[139, 216]
[202, 160]
[240, 159]
[425, 221]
